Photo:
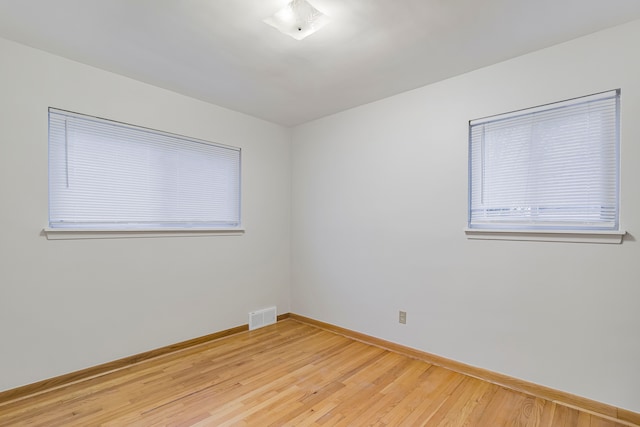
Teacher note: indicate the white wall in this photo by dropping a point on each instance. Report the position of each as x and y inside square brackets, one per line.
[67, 305]
[380, 203]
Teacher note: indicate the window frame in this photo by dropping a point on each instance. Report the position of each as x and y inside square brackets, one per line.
[539, 232]
[153, 227]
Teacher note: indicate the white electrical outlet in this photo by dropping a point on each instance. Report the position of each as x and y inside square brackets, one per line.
[402, 318]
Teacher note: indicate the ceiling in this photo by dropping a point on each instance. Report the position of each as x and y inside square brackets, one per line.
[221, 52]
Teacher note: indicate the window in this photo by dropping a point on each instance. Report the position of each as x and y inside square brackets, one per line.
[551, 168]
[105, 175]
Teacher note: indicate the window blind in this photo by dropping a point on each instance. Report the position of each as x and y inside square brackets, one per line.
[550, 167]
[104, 174]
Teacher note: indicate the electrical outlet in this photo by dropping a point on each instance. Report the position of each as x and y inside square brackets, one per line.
[402, 318]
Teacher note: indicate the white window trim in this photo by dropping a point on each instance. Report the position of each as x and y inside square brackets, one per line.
[577, 236]
[607, 236]
[79, 233]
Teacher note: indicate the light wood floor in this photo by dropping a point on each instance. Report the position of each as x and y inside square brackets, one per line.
[288, 374]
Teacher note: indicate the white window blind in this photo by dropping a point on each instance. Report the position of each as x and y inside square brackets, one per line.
[549, 167]
[109, 175]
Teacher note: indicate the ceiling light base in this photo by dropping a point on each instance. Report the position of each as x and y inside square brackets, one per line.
[298, 19]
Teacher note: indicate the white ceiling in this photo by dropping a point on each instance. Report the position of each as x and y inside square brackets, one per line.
[220, 51]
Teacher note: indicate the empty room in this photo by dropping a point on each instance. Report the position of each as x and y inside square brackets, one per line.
[320, 212]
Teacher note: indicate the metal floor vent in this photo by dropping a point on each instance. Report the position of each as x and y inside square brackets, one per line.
[260, 318]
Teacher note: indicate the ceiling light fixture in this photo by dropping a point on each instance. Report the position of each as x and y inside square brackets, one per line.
[298, 19]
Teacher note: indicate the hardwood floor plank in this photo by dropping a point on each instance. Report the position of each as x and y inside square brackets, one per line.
[529, 413]
[496, 412]
[565, 417]
[481, 407]
[393, 395]
[433, 395]
[548, 413]
[288, 374]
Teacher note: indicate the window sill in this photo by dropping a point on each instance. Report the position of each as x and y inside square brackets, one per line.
[80, 233]
[609, 237]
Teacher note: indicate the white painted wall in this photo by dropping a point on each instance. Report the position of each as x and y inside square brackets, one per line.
[379, 206]
[68, 305]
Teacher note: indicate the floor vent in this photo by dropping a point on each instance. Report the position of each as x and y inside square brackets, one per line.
[260, 318]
